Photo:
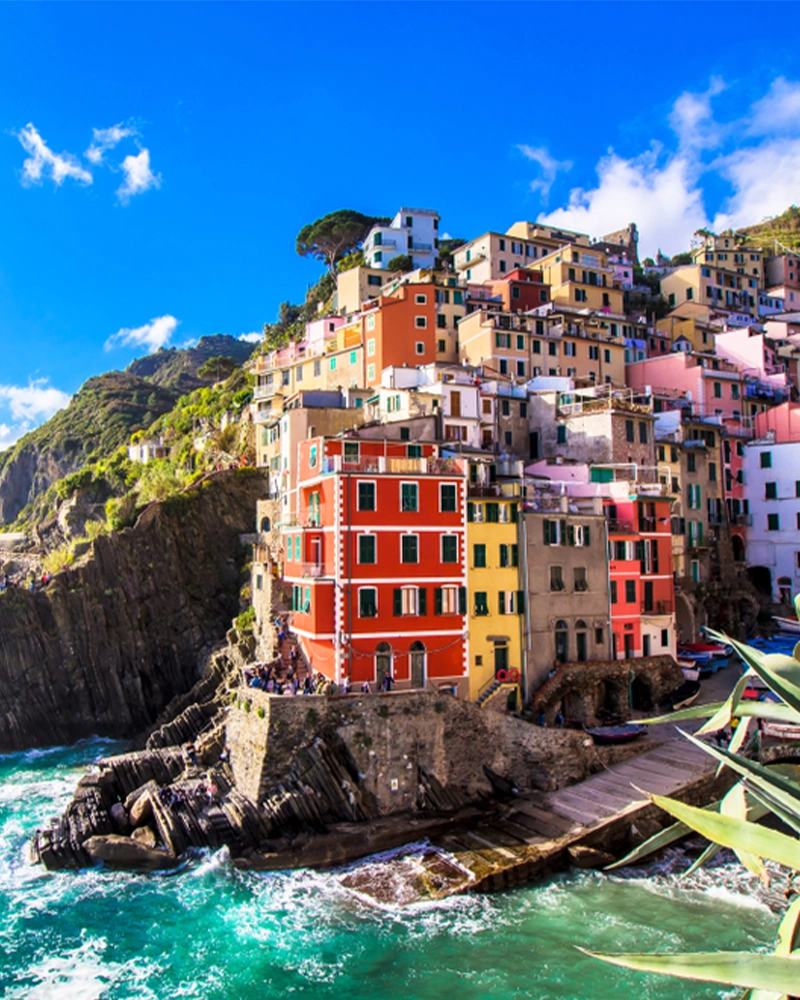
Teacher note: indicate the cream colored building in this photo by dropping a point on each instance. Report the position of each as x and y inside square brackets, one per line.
[582, 278]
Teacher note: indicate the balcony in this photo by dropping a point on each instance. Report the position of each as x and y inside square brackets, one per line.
[314, 570]
[398, 466]
[744, 520]
[419, 247]
[474, 258]
[618, 527]
[380, 244]
[656, 608]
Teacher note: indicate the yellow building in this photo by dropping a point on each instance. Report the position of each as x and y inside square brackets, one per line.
[564, 342]
[728, 253]
[693, 328]
[581, 278]
[496, 601]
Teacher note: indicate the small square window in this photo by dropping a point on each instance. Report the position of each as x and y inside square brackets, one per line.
[773, 522]
[421, 322]
[420, 347]
[420, 300]
[766, 459]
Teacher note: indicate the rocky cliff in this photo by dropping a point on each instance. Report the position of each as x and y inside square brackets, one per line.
[109, 642]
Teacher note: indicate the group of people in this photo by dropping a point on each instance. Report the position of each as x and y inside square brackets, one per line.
[266, 678]
[7, 581]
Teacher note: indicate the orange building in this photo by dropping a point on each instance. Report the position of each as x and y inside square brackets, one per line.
[399, 329]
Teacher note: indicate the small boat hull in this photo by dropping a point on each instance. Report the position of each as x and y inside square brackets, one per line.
[684, 695]
[606, 735]
[791, 625]
[780, 731]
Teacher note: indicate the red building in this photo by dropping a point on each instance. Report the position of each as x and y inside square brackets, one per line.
[377, 562]
[521, 290]
[641, 584]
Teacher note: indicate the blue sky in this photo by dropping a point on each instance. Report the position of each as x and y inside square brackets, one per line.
[157, 160]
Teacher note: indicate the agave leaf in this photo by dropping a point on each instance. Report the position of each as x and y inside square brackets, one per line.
[692, 712]
[796, 652]
[775, 674]
[778, 785]
[768, 710]
[788, 938]
[722, 717]
[735, 833]
[735, 804]
[790, 817]
[797, 605]
[735, 644]
[776, 973]
[711, 850]
[739, 736]
[659, 840]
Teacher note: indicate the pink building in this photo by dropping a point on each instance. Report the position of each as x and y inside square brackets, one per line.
[714, 385]
[783, 420]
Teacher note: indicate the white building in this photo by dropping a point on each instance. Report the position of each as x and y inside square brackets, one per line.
[413, 232]
[772, 485]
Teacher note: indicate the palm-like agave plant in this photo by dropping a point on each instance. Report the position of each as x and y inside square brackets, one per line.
[732, 822]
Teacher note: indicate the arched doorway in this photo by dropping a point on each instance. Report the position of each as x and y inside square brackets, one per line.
[761, 578]
[737, 544]
[642, 693]
[418, 665]
[383, 663]
[581, 643]
[266, 524]
[684, 617]
[785, 589]
[562, 641]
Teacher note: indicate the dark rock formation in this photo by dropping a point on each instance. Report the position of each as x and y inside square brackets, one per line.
[110, 642]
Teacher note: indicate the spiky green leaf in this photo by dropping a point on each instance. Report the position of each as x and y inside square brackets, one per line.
[722, 717]
[732, 968]
[736, 803]
[737, 834]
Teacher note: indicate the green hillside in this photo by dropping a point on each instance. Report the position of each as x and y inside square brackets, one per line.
[785, 228]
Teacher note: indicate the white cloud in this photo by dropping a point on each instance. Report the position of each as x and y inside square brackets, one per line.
[107, 138]
[692, 118]
[664, 202]
[778, 110]
[663, 190]
[765, 181]
[28, 405]
[44, 162]
[138, 176]
[251, 338]
[152, 335]
[549, 166]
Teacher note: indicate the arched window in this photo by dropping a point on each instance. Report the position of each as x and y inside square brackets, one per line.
[418, 665]
[265, 524]
[562, 641]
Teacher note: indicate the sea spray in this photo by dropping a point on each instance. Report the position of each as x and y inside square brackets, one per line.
[214, 932]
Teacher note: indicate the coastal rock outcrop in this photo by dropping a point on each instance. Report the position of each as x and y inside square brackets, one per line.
[111, 641]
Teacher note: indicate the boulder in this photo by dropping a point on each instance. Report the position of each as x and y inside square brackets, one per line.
[119, 817]
[588, 857]
[125, 852]
[145, 835]
[142, 809]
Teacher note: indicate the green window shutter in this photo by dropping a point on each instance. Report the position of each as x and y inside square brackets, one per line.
[492, 513]
[501, 602]
[470, 511]
[586, 536]
[563, 532]
[398, 601]
[504, 555]
[520, 602]
[479, 552]
[513, 513]
[571, 534]
[422, 601]
[515, 555]
[547, 531]
[437, 600]
[640, 550]
[462, 600]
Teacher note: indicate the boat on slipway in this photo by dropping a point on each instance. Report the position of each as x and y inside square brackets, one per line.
[790, 625]
[606, 735]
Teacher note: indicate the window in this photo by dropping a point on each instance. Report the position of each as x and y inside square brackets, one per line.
[718, 390]
[367, 602]
[420, 299]
[353, 357]
[556, 578]
[481, 604]
[797, 487]
[420, 322]
[449, 548]
[561, 434]
[409, 497]
[773, 522]
[370, 373]
[766, 459]
[297, 548]
[447, 498]
[520, 369]
[509, 602]
[770, 491]
[409, 549]
[503, 366]
[552, 534]
[734, 390]
[552, 348]
[665, 637]
[475, 512]
[607, 356]
[492, 513]
[317, 368]
[410, 601]
[371, 347]
[441, 346]
[536, 346]
[479, 556]
[441, 322]
[691, 462]
[502, 266]
[580, 294]
[377, 257]
[446, 600]
[630, 591]
[613, 591]
[642, 432]
[581, 581]
[367, 549]
[366, 496]
[599, 636]
[509, 555]
[629, 431]
[333, 364]
[413, 450]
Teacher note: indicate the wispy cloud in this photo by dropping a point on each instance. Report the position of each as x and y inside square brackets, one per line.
[28, 406]
[151, 335]
[107, 138]
[43, 162]
[549, 165]
[138, 176]
[251, 338]
[664, 188]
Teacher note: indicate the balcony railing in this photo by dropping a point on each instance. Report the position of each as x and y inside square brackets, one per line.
[619, 527]
[744, 520]
[313, 569]
[399, 466]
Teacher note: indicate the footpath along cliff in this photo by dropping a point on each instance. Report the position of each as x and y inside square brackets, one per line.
[104, 648]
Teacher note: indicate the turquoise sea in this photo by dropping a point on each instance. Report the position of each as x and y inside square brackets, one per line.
[211, 932]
